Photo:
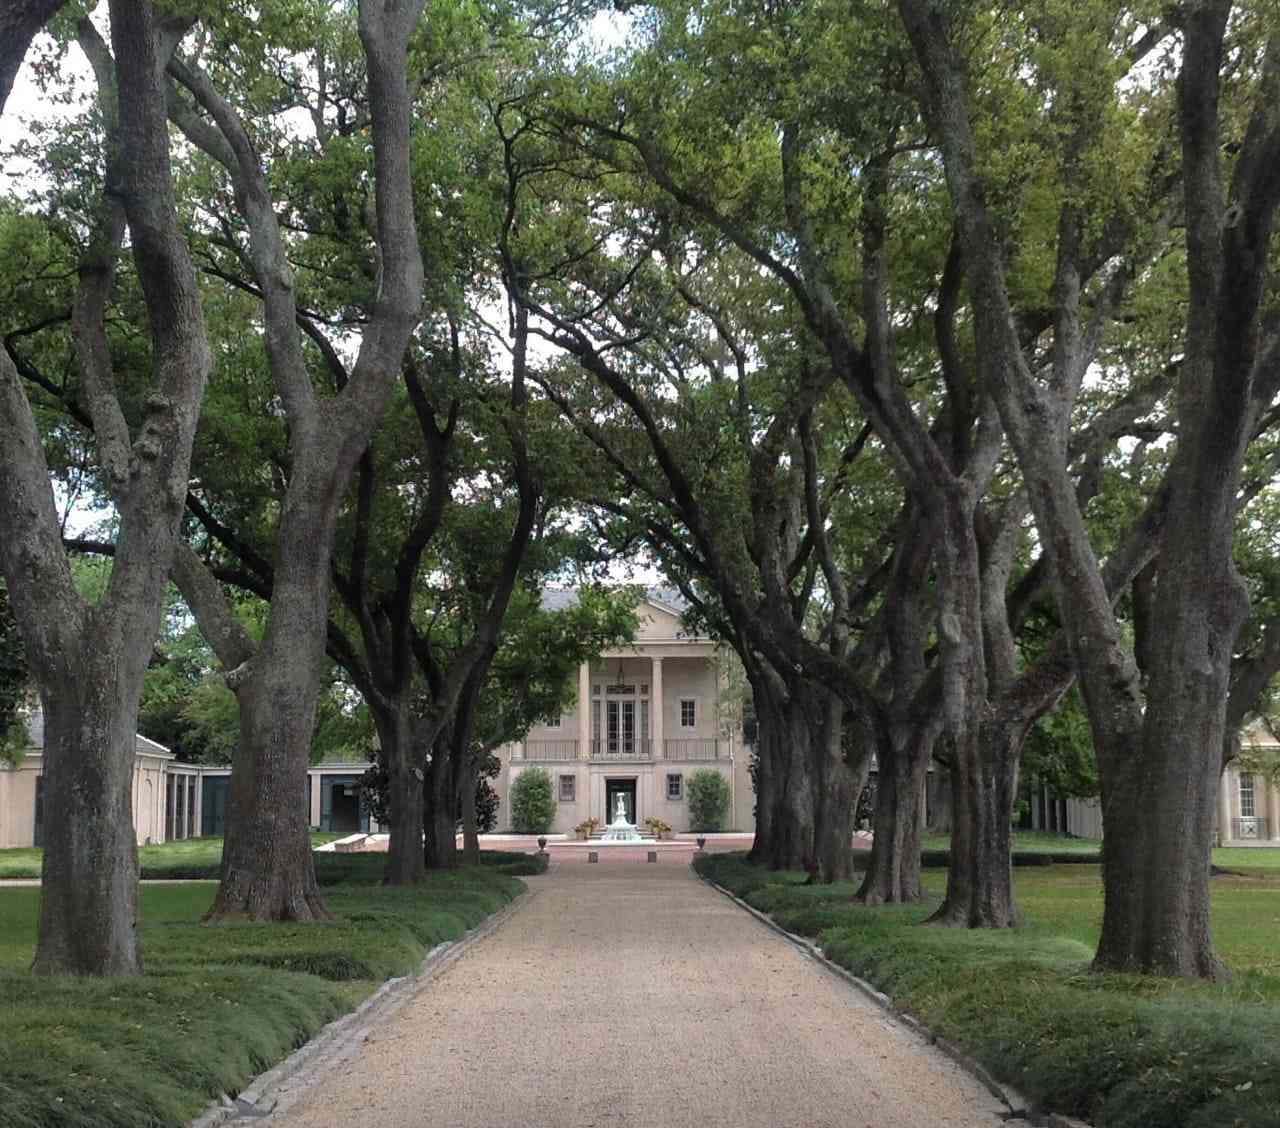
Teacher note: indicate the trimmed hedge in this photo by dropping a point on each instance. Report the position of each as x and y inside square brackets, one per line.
[1123, 1051]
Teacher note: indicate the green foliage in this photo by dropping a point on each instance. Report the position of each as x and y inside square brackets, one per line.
[1119, 1050]
[707, 793]
[533, 805]
[1059, 750]
[217, 1005]
[532, 676]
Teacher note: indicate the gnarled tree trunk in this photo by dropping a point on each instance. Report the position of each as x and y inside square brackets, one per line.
[89, 886]
[405, 865]
[893, 870]
[268, 872]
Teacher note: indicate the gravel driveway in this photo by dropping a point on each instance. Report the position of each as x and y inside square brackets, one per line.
[633, 994]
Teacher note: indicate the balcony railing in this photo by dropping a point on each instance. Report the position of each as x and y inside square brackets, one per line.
[691, 748]
[620, 749]
[1249, 828]
[554, 750]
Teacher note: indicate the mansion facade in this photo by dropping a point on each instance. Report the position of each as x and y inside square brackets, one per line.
[646, 716]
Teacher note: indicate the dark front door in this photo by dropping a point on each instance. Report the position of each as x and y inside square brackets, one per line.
[213, 805]
[612, 789]
[341, 805]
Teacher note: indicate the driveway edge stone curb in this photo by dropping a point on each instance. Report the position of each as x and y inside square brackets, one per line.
[1018, 1105]
[277, 1089]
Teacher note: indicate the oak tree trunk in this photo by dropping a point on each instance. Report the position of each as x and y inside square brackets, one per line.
[893, 870]
[405, 802]
[795, 811]
[89, 873]
[441, 847]
[984, 785]
[470, 829]
[268, 872]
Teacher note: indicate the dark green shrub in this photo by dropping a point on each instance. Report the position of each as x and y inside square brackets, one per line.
[708, 794]
[533, 805]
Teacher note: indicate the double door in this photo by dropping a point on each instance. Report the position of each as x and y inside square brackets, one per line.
[624, 728]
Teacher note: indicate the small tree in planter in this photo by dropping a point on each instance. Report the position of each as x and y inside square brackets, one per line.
[533, 806]
[708, 797]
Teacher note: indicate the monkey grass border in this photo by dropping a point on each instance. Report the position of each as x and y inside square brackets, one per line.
[283, 1085]
[1019, 1107]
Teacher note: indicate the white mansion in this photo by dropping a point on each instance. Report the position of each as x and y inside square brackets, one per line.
[647, 715]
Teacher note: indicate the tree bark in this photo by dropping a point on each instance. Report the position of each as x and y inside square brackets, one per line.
[984, 788]
[406, 861]
[470, 829]
[268, 871]
[405, 799]
[89, 873]
[795, 811]
[441, 847]
[842, 773]
[893, 870]
[89, 661]
[19, 22]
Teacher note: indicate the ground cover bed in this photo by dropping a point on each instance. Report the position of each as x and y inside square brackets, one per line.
[218, 1003]
[1118, 1050]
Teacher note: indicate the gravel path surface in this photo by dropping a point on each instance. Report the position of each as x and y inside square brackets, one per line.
[633, 994]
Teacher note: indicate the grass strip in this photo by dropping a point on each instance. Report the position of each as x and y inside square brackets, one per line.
[1117, 1050]
[218, 1004]
[200, 858]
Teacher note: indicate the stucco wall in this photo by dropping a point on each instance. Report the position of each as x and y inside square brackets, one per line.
[651, 792]
[18, 803]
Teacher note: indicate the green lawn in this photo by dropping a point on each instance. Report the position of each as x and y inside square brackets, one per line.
[1124, 1051]
[218, 1004]
[189, 858]
[1031, 841]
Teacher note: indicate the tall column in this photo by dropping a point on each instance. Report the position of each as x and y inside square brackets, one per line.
[656, 709]
[170, 793]
[584, 711]
[1224, 807]
[1273, 810]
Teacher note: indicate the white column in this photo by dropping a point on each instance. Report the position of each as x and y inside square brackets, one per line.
[1273, 810]
[170, 809]
[584, 711]
[1224, 807]
[656, 709]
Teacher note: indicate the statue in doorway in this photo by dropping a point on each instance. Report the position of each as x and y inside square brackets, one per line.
[620, 809]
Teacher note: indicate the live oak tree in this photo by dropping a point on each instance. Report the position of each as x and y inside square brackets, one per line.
[1159, 758]
[88, 659]
[267, 871]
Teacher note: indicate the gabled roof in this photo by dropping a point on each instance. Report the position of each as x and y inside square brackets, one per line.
[666, 599]
[141, 744]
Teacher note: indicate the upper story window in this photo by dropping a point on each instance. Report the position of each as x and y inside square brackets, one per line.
[555, 722]
[688, 713]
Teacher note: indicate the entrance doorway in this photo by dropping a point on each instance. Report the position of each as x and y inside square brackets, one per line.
[341, 806]
[612, 789]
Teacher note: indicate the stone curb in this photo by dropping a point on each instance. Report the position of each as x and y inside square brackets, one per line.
[280, 1087]
[1019, 1107]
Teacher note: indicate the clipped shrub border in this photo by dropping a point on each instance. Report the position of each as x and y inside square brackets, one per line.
[1114, 1048]
[1019, 1107]
[282, 1086]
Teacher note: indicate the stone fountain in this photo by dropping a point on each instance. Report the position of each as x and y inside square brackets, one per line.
[620, 830]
